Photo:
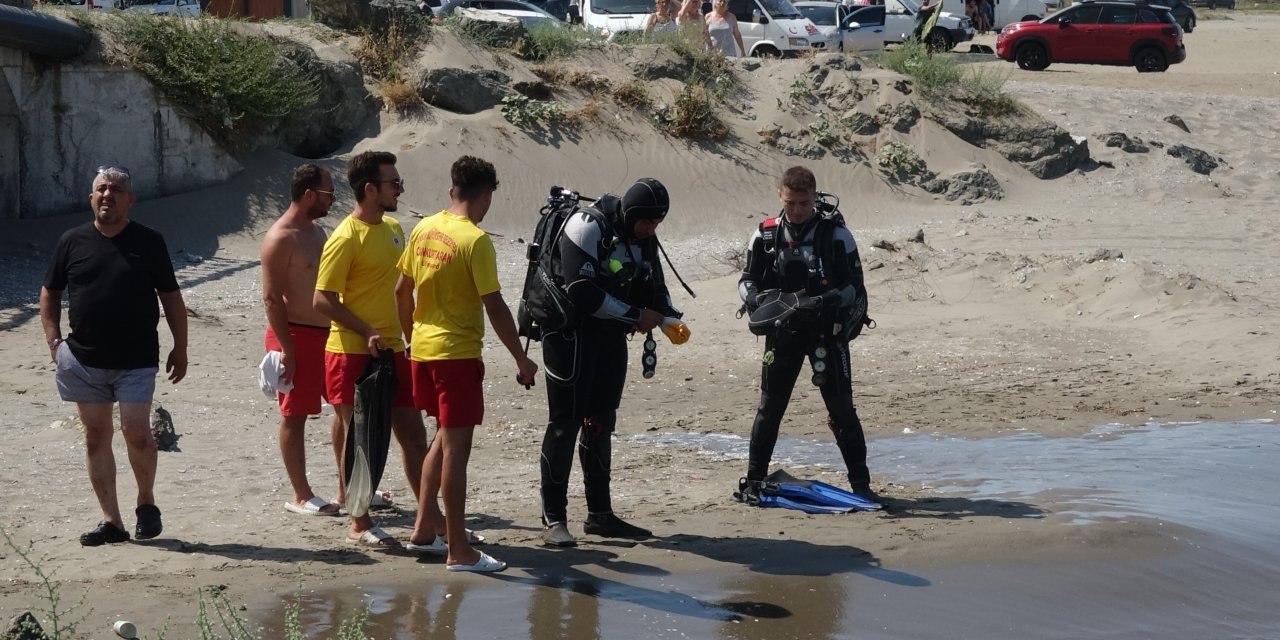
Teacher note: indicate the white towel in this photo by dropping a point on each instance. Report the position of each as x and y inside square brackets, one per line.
[269, 375]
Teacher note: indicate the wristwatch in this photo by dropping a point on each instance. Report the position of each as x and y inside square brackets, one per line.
[53, 344]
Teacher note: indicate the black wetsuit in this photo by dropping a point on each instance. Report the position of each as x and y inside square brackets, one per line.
[791, 262]
[609, 281]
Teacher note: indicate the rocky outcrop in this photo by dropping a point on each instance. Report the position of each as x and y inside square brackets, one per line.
[1199, 161]
[1124, 142]
[655, 61]
[488, 28]
[1040, 146]
[342, 106]
[351, 15]
[462, 90]
[969, 187]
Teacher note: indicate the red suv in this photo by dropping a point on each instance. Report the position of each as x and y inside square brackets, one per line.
[1091, 32]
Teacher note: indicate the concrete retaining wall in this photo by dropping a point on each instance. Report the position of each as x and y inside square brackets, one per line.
[60, 121]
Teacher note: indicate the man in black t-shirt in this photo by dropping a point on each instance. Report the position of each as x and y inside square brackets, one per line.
[114, 270]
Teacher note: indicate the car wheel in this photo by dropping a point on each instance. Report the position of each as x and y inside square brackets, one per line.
[766, 51]
[1032, 57]
[938, 40]
[1150, 59]
[1190, 25]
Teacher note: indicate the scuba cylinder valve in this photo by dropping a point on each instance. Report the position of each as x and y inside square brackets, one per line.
[649, 361]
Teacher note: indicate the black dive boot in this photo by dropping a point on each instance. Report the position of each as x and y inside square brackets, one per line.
[609, 525]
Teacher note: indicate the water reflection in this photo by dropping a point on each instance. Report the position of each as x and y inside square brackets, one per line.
[1213, 577]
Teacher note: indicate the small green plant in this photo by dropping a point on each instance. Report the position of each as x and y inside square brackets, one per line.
[692, 115]
[521, 110]
[800, 92]
[548, 40]
[822, 132]
[899, 160]
[859, 123]
[237, 86]
[983, 89]
[61, 620]
[932, 73]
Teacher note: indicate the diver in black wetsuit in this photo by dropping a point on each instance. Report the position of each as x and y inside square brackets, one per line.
[609, 263]
[787, 253]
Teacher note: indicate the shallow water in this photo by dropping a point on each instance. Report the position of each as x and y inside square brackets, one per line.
[1216, 479]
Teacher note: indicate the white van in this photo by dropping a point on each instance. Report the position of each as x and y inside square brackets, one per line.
[1008, 11]
[775, 28]
[611, 17]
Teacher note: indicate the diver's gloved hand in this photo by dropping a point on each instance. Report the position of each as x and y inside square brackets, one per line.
[830, 299]
[753, 298]
[807, 303]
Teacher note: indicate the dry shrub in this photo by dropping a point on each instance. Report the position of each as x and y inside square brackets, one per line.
[589, 114]
[398, 95]
[589, 81]
[633, 94]
[549, 73]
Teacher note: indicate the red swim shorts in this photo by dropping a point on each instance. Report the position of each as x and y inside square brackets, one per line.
[342, 369]
[450, 390]
[308, 369]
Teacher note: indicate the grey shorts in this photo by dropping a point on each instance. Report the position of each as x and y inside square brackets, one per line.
[91, 385]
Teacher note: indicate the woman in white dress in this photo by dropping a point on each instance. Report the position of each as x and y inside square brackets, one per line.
[720, 30]
[661, 20]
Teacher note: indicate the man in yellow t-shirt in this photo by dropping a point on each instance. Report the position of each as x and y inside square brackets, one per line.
[355, 288]
[451, 265]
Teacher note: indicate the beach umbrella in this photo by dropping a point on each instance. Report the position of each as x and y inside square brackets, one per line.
[369, 432]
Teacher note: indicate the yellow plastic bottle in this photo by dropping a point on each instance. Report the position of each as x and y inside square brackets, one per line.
[677, 331]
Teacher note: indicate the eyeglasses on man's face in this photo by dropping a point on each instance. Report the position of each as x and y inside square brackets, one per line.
[397, 183]
[327, 193]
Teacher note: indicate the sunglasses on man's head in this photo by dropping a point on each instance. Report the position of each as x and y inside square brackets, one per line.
[114, 167]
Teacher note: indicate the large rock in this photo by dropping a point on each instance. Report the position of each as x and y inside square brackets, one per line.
[1199, 161]
[352, 15]
[1040, 146]
[463, 90]
[655, 61]
[344, 103]
[488, 28]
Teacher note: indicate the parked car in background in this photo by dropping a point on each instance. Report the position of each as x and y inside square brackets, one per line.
[852, 29]
[525, 12]
[775, 28]
[1214, 4]
[181, 8]
[1183, 14]
[1111, 32]
[1008, 11]
[900, 21]
[83, 4]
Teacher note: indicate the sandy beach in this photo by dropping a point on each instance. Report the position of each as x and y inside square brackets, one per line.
[1000, 322]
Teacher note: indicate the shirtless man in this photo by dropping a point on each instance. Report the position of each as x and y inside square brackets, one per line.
[290, 258]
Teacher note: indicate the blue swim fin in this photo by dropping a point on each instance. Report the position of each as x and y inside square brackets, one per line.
[811, 491]
[771, 500]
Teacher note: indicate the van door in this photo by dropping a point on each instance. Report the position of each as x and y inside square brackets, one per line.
[752, 32]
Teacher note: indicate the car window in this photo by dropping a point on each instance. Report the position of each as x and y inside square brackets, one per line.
[1083, 15]
[821, 15]
[741, 9]
[1118, 14]
[866, 16]
[1148, 16]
